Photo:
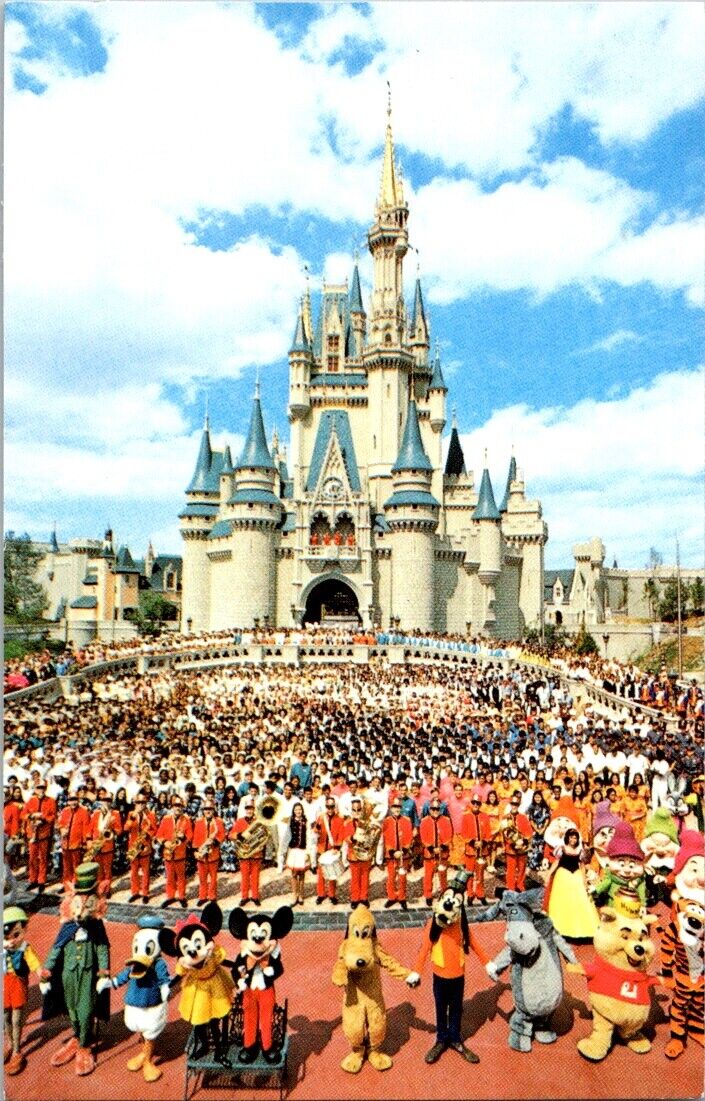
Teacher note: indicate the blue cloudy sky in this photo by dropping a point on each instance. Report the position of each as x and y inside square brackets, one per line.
[172, 168]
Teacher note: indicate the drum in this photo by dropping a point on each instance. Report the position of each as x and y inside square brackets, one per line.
[331, 865]
[297, 860]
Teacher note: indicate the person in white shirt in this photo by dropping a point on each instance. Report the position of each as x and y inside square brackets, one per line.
[283, 828]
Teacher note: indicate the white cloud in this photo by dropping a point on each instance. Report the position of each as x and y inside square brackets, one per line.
[612, 341]
[565, 224]
[622, 469]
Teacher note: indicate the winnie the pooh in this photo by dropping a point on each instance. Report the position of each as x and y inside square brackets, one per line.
[358, 970]
[618, 984]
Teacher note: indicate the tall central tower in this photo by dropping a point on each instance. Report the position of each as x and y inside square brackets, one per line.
[387, 357]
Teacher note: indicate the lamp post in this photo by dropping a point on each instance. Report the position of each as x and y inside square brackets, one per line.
[605, 639]
[189, 624]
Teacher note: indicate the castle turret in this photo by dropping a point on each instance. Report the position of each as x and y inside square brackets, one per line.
[197, 519]
[244, 582]
[511, 477]
[487, 517]
[358, 317]
[419, 339]
[227, 476]
[412, 516]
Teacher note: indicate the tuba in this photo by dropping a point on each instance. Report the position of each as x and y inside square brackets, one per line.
[269, 810]
[366, 837]
[251, 841]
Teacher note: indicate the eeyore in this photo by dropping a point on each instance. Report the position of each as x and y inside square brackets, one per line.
[536, 976]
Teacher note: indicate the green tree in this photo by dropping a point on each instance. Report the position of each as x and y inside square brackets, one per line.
[651, 595]
[584, 642]
[153, 612]
[24, 599]
[668, 604]
[697, 596]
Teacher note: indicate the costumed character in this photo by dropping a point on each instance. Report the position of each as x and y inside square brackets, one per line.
[625, 868]
[682, 969]
[675, 799]
[148, 983]
[603, 827]
[447, 940]
[435, 835]
[76, 974]
[618, 985]
[567, 900]
[688, 878]
[660, 848]
[358, 971]
[207, 987]
[255, 970]
[19, 958]
[533, 947]
[398, 838]
[476, 831]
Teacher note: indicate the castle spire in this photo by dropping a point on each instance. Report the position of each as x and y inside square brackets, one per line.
[355, 292]
[511, 477]
[391, 191]
[199, 482]
[412, 455]
[486, 508]
[255, 453]
[455, 460]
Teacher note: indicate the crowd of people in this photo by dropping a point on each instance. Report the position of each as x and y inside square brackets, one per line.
[325, 773]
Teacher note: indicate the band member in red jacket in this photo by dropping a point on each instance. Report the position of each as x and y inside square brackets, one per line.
[476, 831]
[175, 832]
[38, 819]
[208, 836]
[251, 865]
[436, 834]
[360, 860]
[331, 834]
[74, 824]
[140, 827]
[105, 824]
[516, 835]
[397, 837]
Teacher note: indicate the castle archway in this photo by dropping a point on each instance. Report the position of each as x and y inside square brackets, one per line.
[332, 601]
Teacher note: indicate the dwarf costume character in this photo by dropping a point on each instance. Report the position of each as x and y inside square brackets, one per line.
[75, 976]
[19, 958]
[660, 847]
[625, 868]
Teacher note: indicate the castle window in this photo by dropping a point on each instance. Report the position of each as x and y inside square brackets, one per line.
[333, 353]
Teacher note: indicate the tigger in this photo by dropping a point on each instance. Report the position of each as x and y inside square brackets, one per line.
[682, 969]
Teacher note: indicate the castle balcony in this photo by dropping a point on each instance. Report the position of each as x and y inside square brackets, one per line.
[325, 556]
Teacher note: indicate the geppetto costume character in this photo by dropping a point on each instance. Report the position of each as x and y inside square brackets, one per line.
[618, 985]
[207, 987]
[19, 958]
[660, 848]
[625, 868]
[75, 976]
[255, 970]
[447, 940]
[532, 951]
[148, 984]
[358, 971]
[682, 966]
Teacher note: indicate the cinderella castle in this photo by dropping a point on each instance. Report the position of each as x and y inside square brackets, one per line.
[363, 521]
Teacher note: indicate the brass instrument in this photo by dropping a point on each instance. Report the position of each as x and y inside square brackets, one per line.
[169, 848]
[476, 848]
[269, 810]
[201, 853]
[139, 848]
[36, 826]
[251, 841]
[94, 847]
[516, 840]
[364, 841]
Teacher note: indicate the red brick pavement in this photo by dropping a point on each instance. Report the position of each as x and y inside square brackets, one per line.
[317, 1044]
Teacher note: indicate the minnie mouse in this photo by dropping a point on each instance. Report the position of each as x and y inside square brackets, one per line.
[255, 969]
[208, 989]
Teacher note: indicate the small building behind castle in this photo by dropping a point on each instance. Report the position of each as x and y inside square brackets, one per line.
[364, 520]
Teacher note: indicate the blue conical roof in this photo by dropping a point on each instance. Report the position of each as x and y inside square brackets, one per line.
[486, 509]
[255, 453]
[437, 382]
[511, 477]
[355, 293]
[227, 467]
[411, 453]
[125, 562]
[199, 482]
[53, 543]
[300, 343]
[455, 460]
[419, 312]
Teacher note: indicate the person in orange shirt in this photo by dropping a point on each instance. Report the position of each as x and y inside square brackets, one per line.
[447, 940]
[330, 828]
[250, 866]
[38, 819]
[397, 837]
[105, 825]
[493, 810]
[360, 863]
[476, 833]
[74, 825]
[517, 831]
[175, 832]
[436, 835]
[140, 827]
[208, 836]
[12, 824]
[634, 810]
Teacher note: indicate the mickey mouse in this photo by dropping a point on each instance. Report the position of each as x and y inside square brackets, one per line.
[255, 969]
[208, 988]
